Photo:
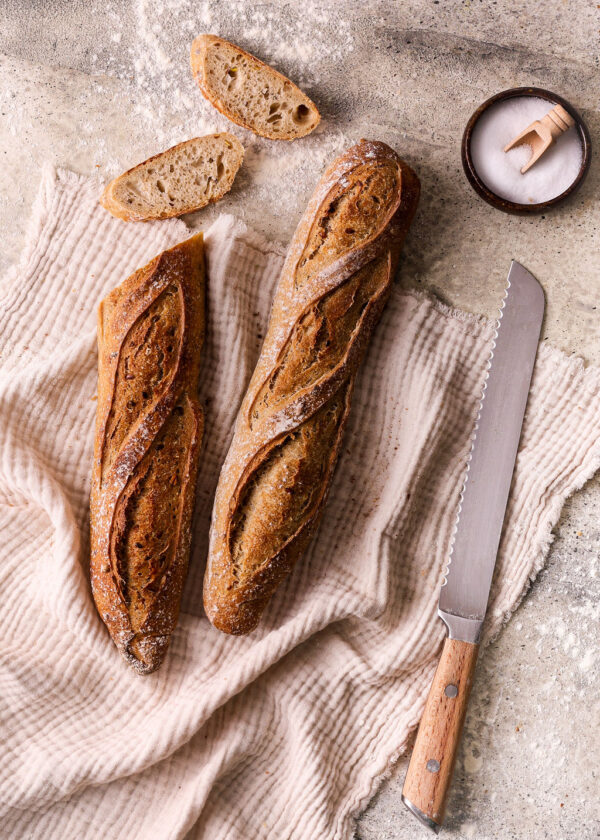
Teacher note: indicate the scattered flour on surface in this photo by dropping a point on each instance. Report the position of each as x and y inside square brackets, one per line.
[295, 44]
[267, 166]
[588, 660]
[168, 107]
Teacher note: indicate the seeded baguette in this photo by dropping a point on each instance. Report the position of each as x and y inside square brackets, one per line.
[180, 180]
[249, 92]
[335, 282]
[148, 433]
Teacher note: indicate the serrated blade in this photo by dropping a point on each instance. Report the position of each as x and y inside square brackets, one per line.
[464, 595]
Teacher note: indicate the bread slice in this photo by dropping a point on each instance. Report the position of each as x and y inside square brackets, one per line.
[249, 92]
[181, 180]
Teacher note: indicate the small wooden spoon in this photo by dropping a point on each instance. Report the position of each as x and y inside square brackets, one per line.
[541, 134]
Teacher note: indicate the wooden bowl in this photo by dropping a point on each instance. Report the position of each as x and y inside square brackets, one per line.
[511, 206]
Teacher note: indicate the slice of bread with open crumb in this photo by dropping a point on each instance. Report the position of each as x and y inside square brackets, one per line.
[181, 180]
[249, 92]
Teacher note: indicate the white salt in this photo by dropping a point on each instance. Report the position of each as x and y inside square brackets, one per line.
[500, 171]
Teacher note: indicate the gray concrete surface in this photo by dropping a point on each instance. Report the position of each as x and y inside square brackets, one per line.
[98, 86]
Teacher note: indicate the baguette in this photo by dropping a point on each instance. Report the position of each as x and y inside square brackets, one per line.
[335, 282]
[148, 433]
[180, 180]
[249, 92]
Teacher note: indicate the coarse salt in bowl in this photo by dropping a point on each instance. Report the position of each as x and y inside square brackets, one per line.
[550, 176]
[496, 174]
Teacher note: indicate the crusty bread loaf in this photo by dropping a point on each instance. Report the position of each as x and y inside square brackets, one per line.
[249, 92]
[181, 180]
[335, 281]
[148, 434]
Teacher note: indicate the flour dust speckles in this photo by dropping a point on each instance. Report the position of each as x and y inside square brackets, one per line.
[588, 660]
[167, 107]
[307, 34]
[295, 44]
[300, 163]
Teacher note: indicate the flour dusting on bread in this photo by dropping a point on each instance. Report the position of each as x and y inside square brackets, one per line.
[148, 433]
[334, 284]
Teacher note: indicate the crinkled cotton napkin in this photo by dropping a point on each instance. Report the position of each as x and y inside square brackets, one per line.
[284, 734]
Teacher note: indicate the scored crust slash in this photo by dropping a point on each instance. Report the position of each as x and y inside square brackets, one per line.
[274, 482]
[148, 433]
[334, 285]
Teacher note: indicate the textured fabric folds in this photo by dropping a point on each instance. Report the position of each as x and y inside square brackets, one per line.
[284, 734]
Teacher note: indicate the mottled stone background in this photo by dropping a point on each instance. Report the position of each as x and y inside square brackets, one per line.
[98, 86]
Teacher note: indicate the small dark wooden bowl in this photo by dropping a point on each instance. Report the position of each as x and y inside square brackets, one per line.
[503, 203]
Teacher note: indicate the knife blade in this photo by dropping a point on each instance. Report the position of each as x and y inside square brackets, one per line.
[482, 507]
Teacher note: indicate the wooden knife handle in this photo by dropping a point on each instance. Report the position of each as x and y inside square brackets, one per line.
[432, 762]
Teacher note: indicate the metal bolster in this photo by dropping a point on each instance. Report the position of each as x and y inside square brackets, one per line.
[429, 823]
[462, 629]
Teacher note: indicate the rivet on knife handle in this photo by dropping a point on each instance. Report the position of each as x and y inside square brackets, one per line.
[432, 762]
[464, 594]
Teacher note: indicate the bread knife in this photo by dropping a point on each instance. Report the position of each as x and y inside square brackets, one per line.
[468, 577]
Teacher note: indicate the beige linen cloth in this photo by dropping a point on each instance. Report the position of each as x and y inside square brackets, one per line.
[284, 734]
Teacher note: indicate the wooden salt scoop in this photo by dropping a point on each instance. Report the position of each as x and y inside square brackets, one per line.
[541, 134]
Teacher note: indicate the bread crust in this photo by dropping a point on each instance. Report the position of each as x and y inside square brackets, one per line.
[121, 211]
[148, 434]
[198, 55]
[290, 426]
